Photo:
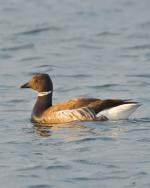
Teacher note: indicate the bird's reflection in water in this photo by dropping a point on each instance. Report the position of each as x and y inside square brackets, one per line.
[80, 129]
[64, 129]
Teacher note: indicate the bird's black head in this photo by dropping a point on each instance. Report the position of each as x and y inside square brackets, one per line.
[40, 83]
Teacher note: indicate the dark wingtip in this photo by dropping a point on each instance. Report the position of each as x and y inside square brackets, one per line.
[129, 101]
[26, 85]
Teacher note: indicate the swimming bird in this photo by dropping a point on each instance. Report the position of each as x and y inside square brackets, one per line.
[78, 109]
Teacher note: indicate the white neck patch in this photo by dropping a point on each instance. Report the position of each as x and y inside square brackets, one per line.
[40, 94]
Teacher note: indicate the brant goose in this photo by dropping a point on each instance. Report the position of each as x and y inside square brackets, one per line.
[82, 109]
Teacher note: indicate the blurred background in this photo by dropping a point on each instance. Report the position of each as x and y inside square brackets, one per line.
[90, 48]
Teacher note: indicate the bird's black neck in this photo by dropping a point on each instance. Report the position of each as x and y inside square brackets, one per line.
[42, 103]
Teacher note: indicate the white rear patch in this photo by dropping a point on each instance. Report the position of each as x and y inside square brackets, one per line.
[119, 112]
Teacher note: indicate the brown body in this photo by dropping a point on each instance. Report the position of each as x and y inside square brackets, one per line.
[83, 109]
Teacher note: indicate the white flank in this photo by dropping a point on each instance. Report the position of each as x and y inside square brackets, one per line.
[119, 112]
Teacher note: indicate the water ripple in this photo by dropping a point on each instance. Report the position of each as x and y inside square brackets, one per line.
[103, 86]
[138, 47]
[86, 139]
[100, 178]
[39, 30]
[30, 168]
[5, 56]
[40, 186]
[31, 58]
[17, 101]
[106, 34]
[90, 46]
[144, 25]
[73, 75]
[59, 167]
[88, 162]
[140, 75]
[16, 48]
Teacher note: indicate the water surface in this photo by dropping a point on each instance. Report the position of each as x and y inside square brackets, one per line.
[91, 49]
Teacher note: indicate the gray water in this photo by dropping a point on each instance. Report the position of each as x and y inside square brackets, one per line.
[90, 48]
